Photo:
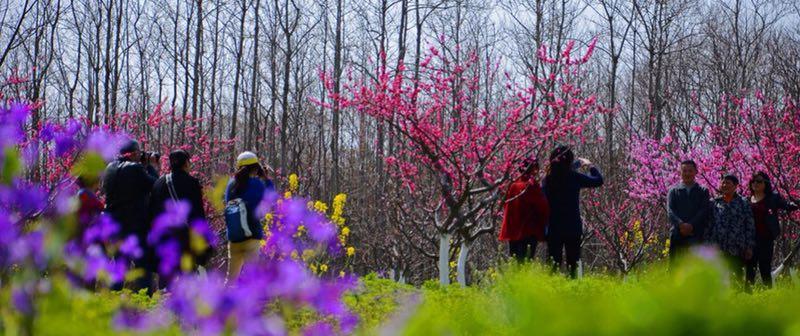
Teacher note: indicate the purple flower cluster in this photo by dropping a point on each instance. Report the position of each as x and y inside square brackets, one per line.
[94, 253]
[206, 305]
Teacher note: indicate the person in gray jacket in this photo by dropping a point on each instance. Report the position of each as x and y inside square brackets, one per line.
[687, 208]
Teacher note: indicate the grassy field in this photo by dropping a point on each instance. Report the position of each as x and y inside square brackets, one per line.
[697, 299]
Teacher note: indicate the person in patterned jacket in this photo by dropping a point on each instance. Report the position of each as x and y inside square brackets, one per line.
[732, 228]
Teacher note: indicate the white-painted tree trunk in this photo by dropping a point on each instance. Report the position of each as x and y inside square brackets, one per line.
[444, 259]
[463, 254]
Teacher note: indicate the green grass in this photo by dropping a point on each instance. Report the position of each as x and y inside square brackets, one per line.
[695, 300]
[520, 300]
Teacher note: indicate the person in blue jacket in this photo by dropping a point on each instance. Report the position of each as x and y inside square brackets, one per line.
[250, 183]
[562, 187]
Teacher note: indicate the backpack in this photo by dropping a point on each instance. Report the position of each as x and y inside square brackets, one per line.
[236, 224]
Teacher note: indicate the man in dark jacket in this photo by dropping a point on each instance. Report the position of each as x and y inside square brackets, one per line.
[127, 184]
[175, 186]
[687, 209]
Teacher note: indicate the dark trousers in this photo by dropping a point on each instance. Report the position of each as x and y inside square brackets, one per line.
[520, 251]
[679, 246]
[572, 245]
[762, 259]
[736, 264]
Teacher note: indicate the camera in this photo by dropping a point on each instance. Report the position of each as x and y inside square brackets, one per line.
[147, 155]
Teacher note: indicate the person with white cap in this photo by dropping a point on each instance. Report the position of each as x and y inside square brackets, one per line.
[247, 187]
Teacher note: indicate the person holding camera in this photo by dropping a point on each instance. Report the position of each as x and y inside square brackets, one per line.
[127, 183]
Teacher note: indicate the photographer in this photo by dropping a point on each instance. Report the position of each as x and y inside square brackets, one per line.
[127, 185]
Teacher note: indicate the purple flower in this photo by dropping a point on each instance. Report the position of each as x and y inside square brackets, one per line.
[319, 229]
[130, 248]
[202, 228]
[22, 299]
[170, 254]
[29, 247]
[28, 199]
[319, 329]
[706, 252]
[47, 132]
[101, 231]
[174, 216]
[30, 153]
[105, 143]
[65, 143]
[139, 321]
[12, 120]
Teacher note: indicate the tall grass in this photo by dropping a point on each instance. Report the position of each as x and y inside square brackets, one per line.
[697, 298]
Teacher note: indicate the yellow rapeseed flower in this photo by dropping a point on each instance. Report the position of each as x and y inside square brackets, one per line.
[345, 231]
[338, 209]
[323, 268]
[351, 251]
[320, 207]
[294, 183]
[287, 195]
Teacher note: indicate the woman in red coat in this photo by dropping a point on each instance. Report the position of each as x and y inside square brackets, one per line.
[525, 214]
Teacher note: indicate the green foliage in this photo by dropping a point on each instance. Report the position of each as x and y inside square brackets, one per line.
[11, 165]
[89, 166]
[696, 299]
[376, 300]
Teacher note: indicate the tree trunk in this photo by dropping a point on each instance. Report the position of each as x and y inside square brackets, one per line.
[463, 255]
[444, 259]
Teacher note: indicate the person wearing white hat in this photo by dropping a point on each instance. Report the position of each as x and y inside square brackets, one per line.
[248, 185]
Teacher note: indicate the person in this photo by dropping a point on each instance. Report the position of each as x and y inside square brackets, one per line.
[127, 184]
[249, 184]
[89, 205]
[765, 204]
[179, 184]
[687, 209]
[732, 229]
[525, 213]
[562, 187]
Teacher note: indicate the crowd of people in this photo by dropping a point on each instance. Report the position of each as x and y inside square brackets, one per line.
[135, 195]
[743, 228]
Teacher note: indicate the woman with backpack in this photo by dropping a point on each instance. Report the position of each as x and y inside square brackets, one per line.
[180, 185]
[242, 196]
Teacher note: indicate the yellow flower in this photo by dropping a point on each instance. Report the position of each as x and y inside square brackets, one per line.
[320, 207]
[338, 209]
[308, 254]
[345, 231]
[351, 251]
[187, 263]
[313, 268]
[452, 264]
[287, 195]
[665, 252]
[295, 255]
[341, 274]
[300, 230]
[323, 268]
[294, 183]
